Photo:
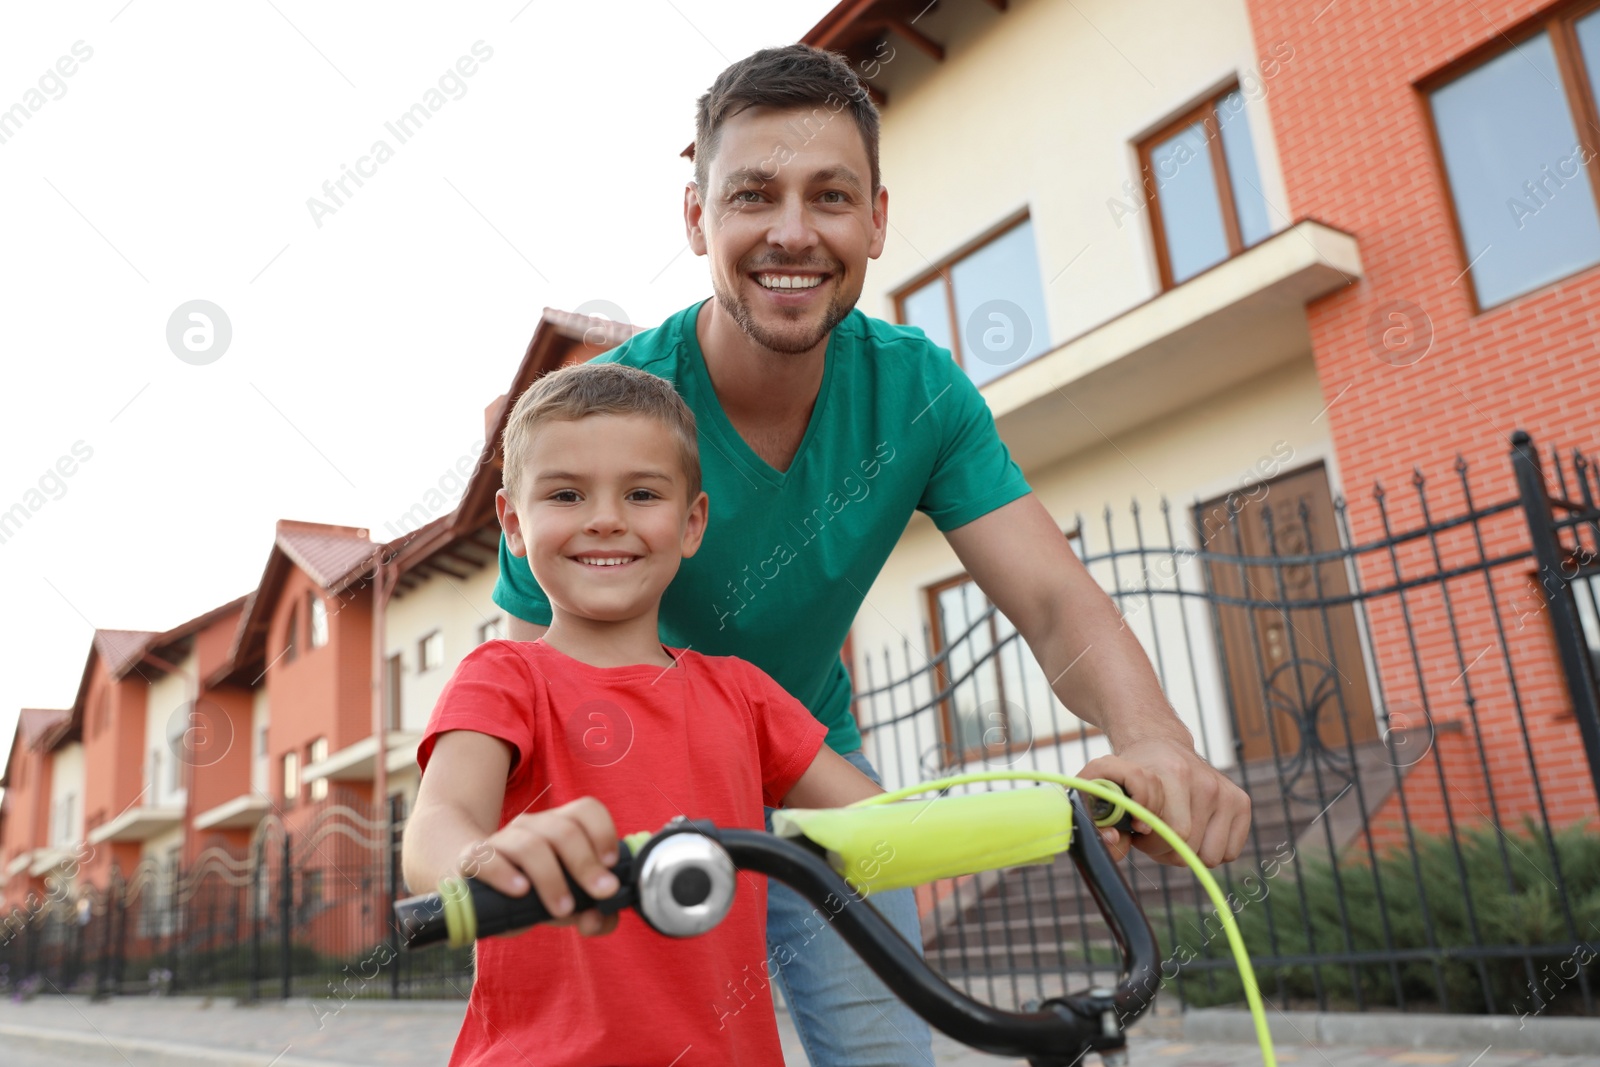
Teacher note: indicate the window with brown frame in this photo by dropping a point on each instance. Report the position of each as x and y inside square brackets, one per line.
[984, 304]
[394, 674]
[291, 778]
[316, 618]
[1516, 132]
[1203, 188]
[316, 753]
[290, 649]
[1001, 704]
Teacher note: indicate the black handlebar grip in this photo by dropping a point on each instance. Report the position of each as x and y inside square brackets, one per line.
[465, 909]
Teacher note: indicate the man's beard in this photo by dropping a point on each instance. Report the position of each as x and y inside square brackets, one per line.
[791, 342]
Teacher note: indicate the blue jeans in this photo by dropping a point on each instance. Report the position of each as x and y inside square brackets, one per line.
[844, 1015]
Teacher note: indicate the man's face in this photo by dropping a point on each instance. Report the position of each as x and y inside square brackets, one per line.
[788, 223]
[604, 515]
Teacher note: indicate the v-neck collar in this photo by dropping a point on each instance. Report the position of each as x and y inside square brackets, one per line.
[734, 444]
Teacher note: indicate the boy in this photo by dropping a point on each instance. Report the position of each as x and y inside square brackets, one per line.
[537, 752]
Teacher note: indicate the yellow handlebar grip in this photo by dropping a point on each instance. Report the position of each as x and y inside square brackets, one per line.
[1106, 812]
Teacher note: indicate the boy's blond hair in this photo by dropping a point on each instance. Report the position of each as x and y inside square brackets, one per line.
[585, 389]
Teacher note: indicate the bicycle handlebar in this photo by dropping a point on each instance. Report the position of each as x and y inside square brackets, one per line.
[682, 880]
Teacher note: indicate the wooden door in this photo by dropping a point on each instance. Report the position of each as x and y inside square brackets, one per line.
[1287, 667]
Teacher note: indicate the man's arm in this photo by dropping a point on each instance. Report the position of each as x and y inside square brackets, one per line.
[1098, 669]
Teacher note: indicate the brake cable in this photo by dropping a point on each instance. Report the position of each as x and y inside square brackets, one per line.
[1108, 792]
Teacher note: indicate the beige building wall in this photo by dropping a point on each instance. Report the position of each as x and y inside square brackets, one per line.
[66, 796]
[459, 610]
[1039, 108]
[163, 709]
[260, 760]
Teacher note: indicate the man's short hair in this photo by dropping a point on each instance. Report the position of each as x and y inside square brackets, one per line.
[585, 389]
[795, 76]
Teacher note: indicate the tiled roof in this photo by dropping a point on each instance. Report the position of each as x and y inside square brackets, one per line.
[121, 649]
[326, 554]
[34, 723]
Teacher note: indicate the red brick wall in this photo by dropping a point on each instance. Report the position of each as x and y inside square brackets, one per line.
[1355, 151]
[325, 692]
[27, 822]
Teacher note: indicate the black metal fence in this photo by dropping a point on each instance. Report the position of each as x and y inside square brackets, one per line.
[304, 911]
[1411, 706]
[1422, 764]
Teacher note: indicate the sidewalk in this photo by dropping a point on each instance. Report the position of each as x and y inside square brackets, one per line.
[189, 1032]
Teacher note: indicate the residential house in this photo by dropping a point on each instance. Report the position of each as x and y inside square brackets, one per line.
[1210, 298]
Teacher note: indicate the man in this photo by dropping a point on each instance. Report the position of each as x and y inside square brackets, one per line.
[794, 392]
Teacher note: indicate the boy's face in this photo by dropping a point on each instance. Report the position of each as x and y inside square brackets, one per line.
[788, 223]
[604, 515]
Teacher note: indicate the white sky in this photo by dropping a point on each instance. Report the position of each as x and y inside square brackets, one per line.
[176, 166]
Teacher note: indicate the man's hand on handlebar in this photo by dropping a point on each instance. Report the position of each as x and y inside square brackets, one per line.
[533, 849]
[1202, 805]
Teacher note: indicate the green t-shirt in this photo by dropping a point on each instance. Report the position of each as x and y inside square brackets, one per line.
[788, 556]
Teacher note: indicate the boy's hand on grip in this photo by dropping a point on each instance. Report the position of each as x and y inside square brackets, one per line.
[533, 849]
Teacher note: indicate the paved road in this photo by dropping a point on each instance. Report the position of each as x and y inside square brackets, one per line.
[133, 1031]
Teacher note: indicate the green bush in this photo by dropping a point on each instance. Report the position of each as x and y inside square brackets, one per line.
[1275, 916]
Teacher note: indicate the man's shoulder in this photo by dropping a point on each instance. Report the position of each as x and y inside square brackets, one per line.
[908, 342]
[896, 354]
[658, 349]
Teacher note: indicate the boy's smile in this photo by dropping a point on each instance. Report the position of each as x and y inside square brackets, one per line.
[604, 518]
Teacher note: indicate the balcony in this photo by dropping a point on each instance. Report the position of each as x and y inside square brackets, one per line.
[138, 824]
[241, 813]
[19, 863]
[356, 763]
[1234, 322]
[45, 860]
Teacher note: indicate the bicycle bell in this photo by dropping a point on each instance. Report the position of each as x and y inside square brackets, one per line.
[686, 884]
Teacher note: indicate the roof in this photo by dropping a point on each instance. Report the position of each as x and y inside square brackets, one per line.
[467, 538]
[36, 728]
[35, 725]
[163, 644]
[335, 557]
[859, 30]
[327, 553]
[122, 649]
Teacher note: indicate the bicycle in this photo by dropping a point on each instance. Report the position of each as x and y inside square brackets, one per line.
[681, 881]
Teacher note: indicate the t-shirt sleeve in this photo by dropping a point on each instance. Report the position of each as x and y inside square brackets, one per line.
[492, 692]
[517, 590]
[787, 734]
[973, 472]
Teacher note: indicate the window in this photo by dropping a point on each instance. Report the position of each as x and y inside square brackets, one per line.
[181, 745]
[1203, 188]
[391, 690]
[316, 754]
[317, 613]
[154, 779]
[291, 778]
[1001, 702]
[289, 650]
[985, 305]
[1516, 138]
[263, 762]
[493, 630]
[430, 651]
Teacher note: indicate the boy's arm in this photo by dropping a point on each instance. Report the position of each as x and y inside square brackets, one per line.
[830, 782]
[453, 831]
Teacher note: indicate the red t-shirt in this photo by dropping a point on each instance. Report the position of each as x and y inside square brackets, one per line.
[711, 738]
